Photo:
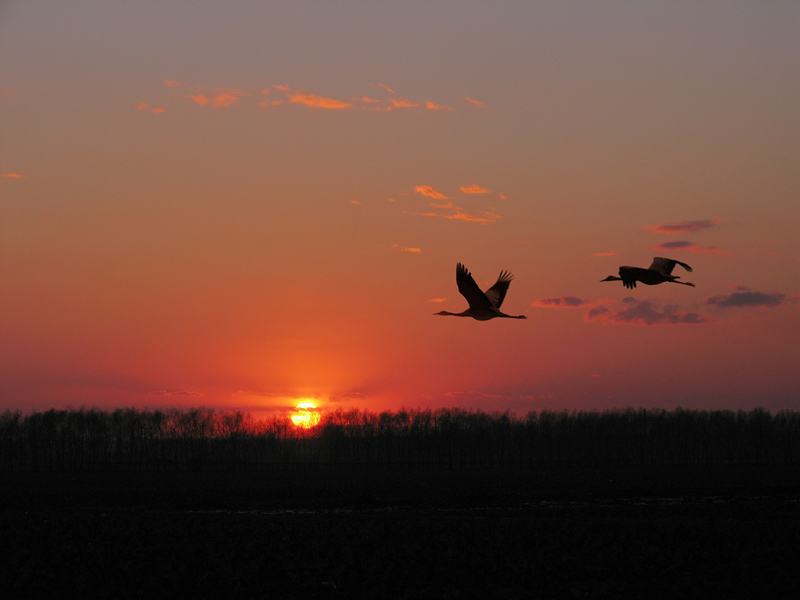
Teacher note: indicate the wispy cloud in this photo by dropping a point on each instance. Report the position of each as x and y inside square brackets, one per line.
[13, 176]
[381, 98]
[233, 91]
[683, 226]
[263, 393]
[176, 393]
[347, 397]
[429, 192]
[144, 106]
[200, 99]
[561, 302]
[449, 210]
[472, 394]
[407, 248]
[367, 100]
[225, 100]
[479, 217]
[385, 87]
[747, 298]
[312, 100]
[475, 103]
[402, 103]
[219, 97]
[458, 214]
[446, 205]
[642, 312]
[691, 247]
[474, 189]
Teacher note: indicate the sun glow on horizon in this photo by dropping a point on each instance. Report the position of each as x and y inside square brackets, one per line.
[306, 416]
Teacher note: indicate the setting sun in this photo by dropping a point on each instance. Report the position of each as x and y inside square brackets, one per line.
[306, 415]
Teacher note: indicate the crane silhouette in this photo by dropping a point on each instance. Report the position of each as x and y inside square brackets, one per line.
[659, 272]
[482, 306]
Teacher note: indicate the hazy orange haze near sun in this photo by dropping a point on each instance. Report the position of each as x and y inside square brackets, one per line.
[242, 205]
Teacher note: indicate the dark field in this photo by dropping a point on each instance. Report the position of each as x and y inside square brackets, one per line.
[570, 532]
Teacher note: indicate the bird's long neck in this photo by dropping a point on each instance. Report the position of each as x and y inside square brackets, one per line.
[445, 313]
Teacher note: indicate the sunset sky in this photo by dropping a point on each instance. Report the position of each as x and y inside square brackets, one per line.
[246, 205]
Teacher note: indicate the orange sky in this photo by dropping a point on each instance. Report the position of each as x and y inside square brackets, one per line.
[246, 205]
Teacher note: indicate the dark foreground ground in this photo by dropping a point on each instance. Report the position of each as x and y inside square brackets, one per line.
[527, 533]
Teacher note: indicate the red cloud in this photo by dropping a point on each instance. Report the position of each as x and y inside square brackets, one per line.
[172, 393]
[645, 312]
[684, 226]
[458, 213]
[481, 217]
[562, 302]
[220, 97]
[225, 100]
[407, 249]
[315, 101]
[386, 87]
[13, 176]
[234, 91]
[691, 247]
[200, 99]
[347, 397]
[472, 394]
[146, 106]
[475, 103]
[474, 189]
[448, 205]
[402, 103]
[745, 297]
[428, 191]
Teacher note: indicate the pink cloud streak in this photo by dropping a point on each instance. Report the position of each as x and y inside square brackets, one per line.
[691, 247]
[683, 226]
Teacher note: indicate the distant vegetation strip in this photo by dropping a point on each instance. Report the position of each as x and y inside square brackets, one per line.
[205, 439]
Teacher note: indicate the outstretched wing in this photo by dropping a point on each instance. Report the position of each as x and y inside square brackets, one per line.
[470, 290]
[629, 276]
[497, 293]
[665, 265]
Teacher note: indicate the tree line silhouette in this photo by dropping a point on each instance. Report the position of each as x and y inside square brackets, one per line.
[204, 439]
